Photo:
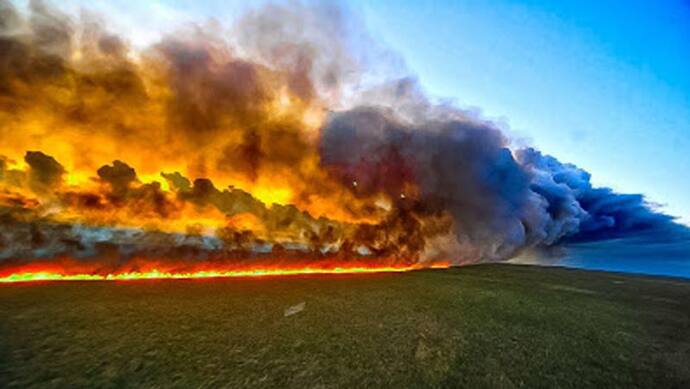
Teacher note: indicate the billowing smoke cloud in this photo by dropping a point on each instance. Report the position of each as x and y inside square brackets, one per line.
[595, 213]
[273, 145]
[502, 201]
[464, 168]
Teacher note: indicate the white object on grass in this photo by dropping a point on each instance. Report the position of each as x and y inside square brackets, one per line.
[295, 309]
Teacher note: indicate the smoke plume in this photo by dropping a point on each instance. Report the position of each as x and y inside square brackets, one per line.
[272, 145]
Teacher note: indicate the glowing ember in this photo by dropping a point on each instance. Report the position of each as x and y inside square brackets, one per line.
[154, 274]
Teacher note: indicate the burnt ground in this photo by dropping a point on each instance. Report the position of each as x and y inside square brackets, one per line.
[478, 326]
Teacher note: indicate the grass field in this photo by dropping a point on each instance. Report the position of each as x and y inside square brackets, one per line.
[479, 326]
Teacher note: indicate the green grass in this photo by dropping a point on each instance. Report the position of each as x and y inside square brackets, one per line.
[479, 326]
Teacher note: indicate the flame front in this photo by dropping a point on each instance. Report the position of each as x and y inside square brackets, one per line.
[53, 274]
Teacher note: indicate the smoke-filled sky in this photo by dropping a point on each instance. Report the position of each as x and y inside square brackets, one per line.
[200, 131]
[606, 87]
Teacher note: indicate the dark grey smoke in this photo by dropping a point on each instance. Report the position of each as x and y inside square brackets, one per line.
[598, 213]
[464, 168]
[45, 170]
[502, 202]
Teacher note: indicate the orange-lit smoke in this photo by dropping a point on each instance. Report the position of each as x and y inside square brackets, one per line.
[193, 149]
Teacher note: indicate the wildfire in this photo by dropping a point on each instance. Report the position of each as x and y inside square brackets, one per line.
[193, 157]
[154, 274]
[198, 156]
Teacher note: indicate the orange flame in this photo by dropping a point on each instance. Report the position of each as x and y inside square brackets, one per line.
[53, 274]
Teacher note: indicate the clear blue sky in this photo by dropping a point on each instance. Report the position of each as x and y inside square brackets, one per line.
[605, 85]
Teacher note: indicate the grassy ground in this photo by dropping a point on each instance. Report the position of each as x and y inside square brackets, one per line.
[481, 326]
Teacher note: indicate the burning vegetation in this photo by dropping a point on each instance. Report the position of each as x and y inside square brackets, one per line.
[265, 153]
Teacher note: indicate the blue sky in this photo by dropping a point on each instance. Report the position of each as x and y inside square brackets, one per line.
[604, 85]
